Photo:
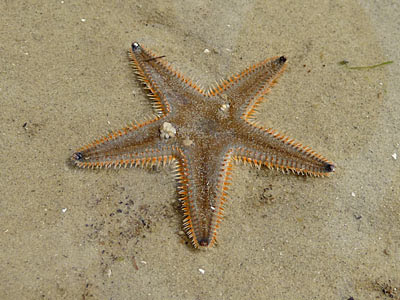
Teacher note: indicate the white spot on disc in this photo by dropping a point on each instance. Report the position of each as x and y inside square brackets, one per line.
[167, 131]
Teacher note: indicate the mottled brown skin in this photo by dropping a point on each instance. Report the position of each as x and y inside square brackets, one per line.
[213, 129]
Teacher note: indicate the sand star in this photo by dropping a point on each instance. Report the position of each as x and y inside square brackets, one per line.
[202, 133]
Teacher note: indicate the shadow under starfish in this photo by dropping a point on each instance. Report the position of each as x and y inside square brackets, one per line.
[202, 133]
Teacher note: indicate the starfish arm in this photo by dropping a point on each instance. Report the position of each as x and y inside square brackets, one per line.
[274, 150]
[135, 145]
[166, 85]
[202, 185]
[244, 91]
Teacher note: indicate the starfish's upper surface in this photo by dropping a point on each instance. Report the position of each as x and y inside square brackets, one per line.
[203, 133]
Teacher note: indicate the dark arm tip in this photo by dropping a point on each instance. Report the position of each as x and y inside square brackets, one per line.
[330, 168]
[78, 156]
[135, 46]
[282, 59]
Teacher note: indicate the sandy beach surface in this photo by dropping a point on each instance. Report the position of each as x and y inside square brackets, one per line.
[65, 80]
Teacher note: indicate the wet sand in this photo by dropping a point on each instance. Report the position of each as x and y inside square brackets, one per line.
[65, 80]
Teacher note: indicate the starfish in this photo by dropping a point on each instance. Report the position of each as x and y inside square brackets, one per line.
[202, 132]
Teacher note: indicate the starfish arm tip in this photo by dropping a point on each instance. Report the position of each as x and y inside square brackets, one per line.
[329, 168]
[77, 156]
[135, 46]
